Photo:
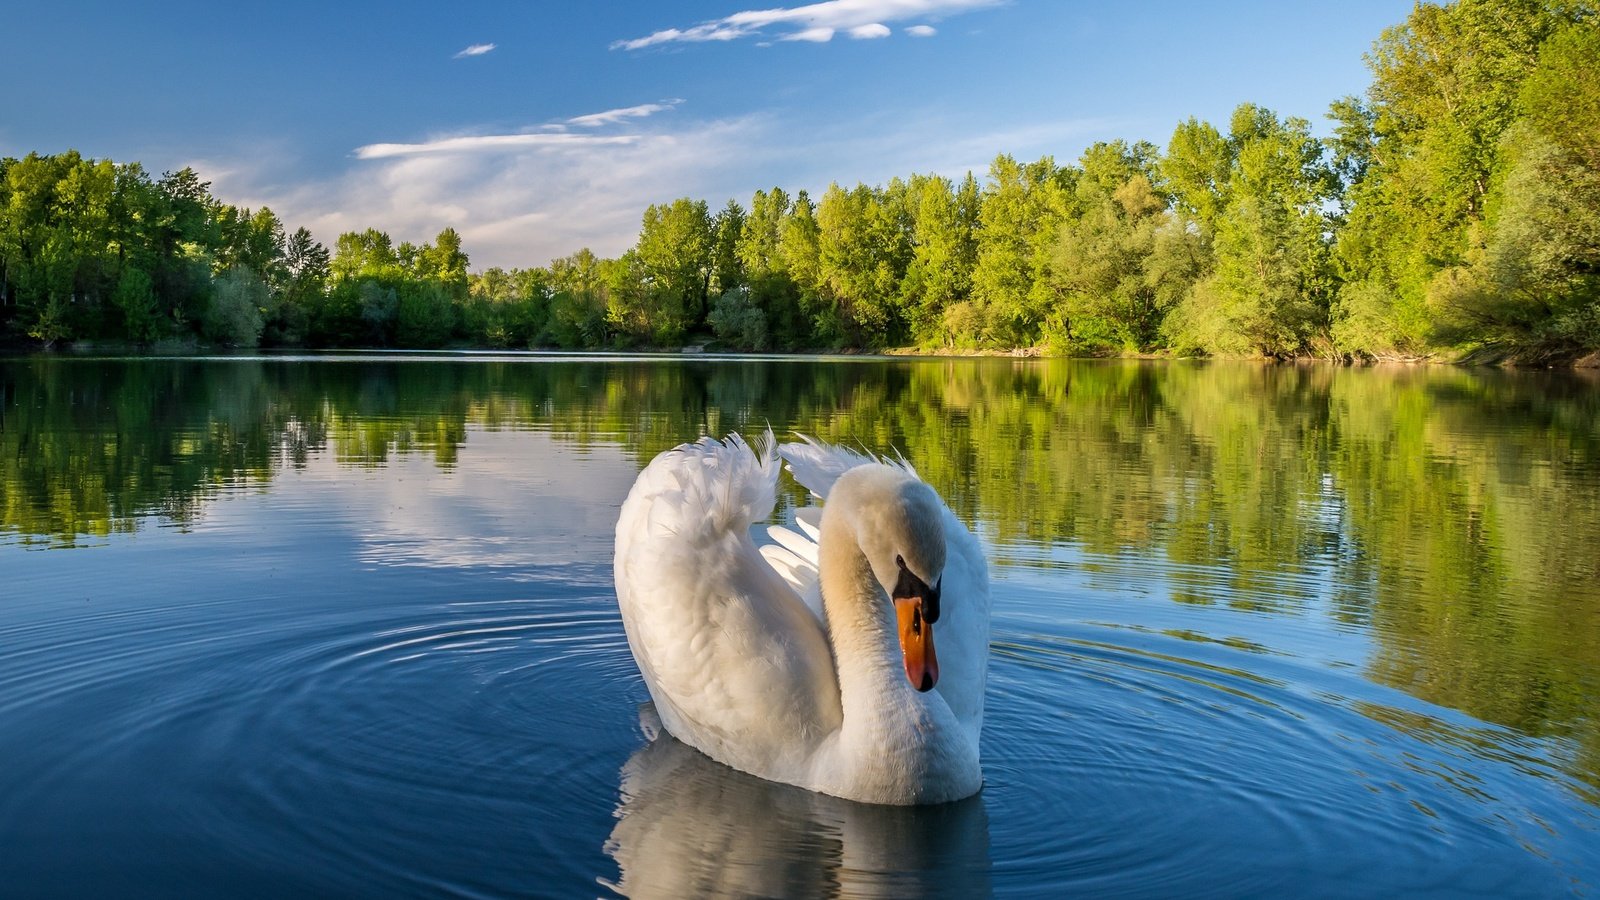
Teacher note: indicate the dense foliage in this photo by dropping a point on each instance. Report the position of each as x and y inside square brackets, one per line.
[1456, 207]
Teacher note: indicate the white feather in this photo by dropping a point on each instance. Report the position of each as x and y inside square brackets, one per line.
[817, 465]
[809, 520]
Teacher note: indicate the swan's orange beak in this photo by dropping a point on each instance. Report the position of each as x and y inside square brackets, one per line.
[916, 643]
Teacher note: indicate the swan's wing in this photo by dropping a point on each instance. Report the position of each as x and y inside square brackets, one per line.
[817, 464]
[793, 568]
[795, 557]
[737, 665]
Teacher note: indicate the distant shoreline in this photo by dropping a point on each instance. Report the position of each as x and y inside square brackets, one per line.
[1482, 357]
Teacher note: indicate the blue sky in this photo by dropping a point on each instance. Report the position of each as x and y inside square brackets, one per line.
[570, 117]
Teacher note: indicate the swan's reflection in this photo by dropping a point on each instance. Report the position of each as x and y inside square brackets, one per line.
[691, 827]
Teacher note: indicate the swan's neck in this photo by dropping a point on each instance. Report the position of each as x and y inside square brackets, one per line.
[895, 745]
[873, 688]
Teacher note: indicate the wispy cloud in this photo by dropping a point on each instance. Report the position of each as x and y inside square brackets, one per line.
[613, 116]
[922, 31]
[549, 137]
[494, 143]
[812, 35]
[524, 199]
[815, 22]
[869, 32]
[475, 50]
[517, 199]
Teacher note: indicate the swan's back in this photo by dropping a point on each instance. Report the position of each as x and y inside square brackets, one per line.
[737, 665]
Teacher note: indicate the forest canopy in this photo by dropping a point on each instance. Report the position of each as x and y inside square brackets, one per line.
[1454, 208]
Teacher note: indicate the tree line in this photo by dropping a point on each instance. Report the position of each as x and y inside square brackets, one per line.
[1455, 207]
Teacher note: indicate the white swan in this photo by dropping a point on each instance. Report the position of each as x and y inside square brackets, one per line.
[812, 664]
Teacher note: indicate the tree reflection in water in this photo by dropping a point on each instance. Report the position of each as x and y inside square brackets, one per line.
[1450, 514]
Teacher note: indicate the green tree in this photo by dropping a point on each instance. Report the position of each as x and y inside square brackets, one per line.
[770, 286]
[674, 251]
[1270, 289]
[1124, 261]
[577, 303]
[252, 239]
[1536, 283]
[506, 309]
[446, 262]
[864, 246]
[727, 268]
[1352, 145]
[135, 298]
[233, 318]
[55, 232]
[1445, 89]
[737, 321]
[424, 314]
[306, 267]
[379, 307]
[141, 238]
[1196, 171]
[799, 248]
[1023, 207]
[1548, 239]
[336, 320]
[944, 225]
[632, 315]
[759, 239]
[364, 254]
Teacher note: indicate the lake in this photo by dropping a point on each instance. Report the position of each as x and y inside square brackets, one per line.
[346, 626]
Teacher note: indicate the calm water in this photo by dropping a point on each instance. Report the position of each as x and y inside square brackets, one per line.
[347, 627]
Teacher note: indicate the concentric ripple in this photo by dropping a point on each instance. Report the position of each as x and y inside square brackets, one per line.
[276, 750]
[1250, 782]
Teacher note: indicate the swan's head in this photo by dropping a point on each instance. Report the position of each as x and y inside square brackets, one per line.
[916, 608]
[900, 529]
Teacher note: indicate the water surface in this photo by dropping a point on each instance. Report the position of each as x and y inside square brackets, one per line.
[346, 626]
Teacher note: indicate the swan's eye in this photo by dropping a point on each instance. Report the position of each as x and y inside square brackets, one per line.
[909, 586]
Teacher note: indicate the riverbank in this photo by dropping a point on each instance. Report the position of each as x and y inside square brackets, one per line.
[1490, 357]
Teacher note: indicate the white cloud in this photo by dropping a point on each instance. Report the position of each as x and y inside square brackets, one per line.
[812, 35]
[517, 199]
[524, 199]
[613, 116]
[493, 143]
[869, 32]
[816, 22]
[475, 50]
[922, 31]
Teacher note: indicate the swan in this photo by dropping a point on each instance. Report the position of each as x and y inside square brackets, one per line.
[810, 662]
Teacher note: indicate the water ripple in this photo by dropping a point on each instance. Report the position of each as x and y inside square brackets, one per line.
[293, 738]
[1253, 783]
